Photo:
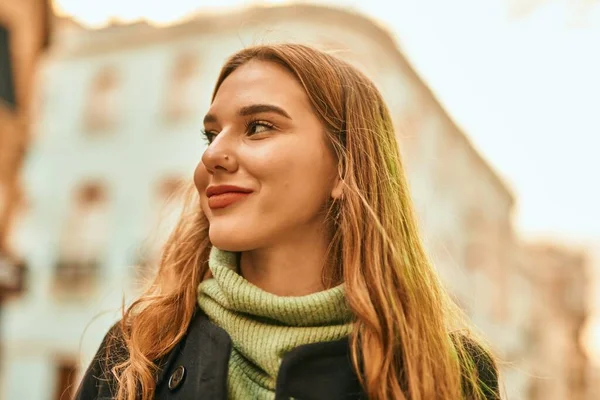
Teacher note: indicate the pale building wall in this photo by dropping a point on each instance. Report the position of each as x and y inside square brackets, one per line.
[556, 356]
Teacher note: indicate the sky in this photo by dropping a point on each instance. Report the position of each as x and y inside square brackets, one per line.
[520, 77]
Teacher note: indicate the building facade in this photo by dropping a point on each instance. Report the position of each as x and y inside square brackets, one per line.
[556, 356]
[118, 131]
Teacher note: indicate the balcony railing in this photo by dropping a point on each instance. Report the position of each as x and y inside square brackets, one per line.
[75, 277]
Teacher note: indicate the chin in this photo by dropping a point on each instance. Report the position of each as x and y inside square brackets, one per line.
[228, 245]
[229, 241]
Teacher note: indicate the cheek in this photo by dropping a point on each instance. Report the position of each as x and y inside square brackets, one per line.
[201, 181]
[297, 178]
[201, 178]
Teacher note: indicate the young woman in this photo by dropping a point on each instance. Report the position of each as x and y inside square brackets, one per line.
[297, 271]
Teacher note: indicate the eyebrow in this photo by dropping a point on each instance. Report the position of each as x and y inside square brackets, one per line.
[252, 109]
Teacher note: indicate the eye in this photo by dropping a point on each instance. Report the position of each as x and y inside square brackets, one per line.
[255, 127]
[208, 136]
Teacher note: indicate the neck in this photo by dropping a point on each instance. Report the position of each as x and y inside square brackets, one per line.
[290, 268]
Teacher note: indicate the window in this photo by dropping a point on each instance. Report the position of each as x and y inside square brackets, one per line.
[83, 239]
[12, 275]
[102, 108]
[66, 373]
[182, 93]
[7, 90]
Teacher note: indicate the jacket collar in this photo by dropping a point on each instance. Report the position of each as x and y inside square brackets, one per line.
[205, 351]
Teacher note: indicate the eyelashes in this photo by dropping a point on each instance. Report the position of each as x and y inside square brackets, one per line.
[253, 124]
[208, 136]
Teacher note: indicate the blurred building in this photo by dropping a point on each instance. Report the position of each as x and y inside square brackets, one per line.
[556, 358]
[24, 34]
[118, 130]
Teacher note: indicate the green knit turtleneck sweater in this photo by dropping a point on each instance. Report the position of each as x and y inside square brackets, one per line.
[264, 327]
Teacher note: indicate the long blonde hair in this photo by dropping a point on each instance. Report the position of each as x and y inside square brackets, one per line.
[401, 345]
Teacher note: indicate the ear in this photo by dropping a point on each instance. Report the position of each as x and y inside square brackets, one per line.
[338, 189]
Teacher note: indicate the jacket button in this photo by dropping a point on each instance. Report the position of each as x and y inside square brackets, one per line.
[177, 378]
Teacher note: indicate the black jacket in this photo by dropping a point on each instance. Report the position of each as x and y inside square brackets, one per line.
[196, 369]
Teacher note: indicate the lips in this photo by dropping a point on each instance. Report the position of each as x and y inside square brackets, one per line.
[222, 196]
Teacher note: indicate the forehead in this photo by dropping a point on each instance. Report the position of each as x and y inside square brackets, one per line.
[260, 82]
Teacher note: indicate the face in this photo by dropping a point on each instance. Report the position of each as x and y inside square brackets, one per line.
[267, 174]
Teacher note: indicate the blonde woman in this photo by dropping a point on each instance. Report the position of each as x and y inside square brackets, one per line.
[297, 271]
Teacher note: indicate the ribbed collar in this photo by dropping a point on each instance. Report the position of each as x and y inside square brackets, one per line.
[234, 292]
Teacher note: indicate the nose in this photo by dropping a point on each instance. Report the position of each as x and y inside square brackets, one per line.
[220, 155]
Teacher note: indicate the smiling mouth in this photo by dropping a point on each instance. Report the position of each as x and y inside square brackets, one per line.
[225, 199]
